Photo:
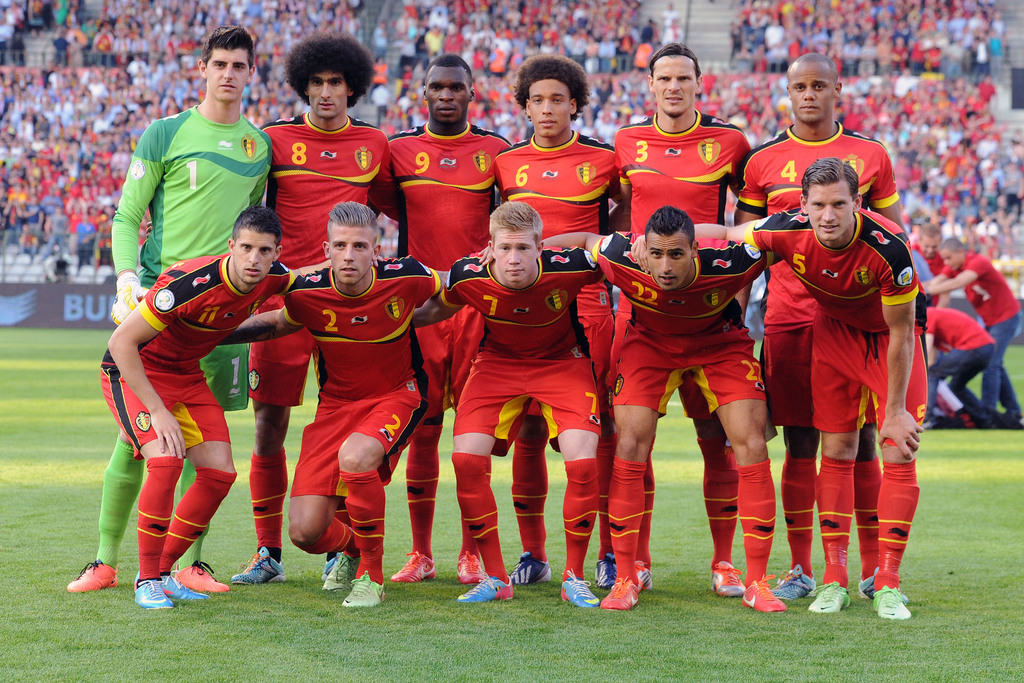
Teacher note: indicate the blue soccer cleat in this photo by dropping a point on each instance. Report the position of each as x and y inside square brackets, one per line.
[488, 591]
[150, 595]
[529, 570]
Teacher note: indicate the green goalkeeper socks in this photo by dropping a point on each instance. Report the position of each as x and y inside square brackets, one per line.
[121, 483]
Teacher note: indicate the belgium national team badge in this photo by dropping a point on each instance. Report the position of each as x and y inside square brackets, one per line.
[618, 385]
[364, 158]
[864, 276]
[395, 307]
[482, 161]
[856, 163]
[143, 421]
[557, 299]
[709, 151]
[586, 172]
[254, 380]
[249, 146]
[713, 298]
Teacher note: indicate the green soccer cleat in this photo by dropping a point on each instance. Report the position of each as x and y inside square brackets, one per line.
[867, 589]
[888, 602]
[577, 592]
[831, 598]
[343, 570]
[365, 593]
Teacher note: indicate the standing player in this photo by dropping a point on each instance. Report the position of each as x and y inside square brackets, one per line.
[682, 157]
[195, 172]
[865, 354]
[998, 308]
[158, 394]
[687, 327]
[358, 313]
[771, 183]
[444, 168]
[569, 179]
[533, 350]
[318, 159]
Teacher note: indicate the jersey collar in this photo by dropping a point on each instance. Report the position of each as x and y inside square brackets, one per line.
[426, 128]
[348, 124]
[696, 123]
[572, 138]
[334, 284]
[815, 143]
[858, 225]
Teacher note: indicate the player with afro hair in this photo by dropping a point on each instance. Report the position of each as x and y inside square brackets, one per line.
[334, 52]
[556, 68]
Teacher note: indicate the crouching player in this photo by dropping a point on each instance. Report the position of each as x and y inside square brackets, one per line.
[533, 349]
[858, 268]
[372, 392]
[686, 330]
[160, 399]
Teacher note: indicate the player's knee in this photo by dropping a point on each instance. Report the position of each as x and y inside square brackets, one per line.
[750, 449]
[359, 456]
[632, 446]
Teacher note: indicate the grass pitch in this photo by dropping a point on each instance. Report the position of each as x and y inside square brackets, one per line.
[961, 572]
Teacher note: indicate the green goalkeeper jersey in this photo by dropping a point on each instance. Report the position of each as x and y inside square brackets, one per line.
[195, 176]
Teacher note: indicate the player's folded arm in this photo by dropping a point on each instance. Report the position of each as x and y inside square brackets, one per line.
[269, 325]
[434, 310]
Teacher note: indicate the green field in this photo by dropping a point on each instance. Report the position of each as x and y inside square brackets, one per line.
[961, 571]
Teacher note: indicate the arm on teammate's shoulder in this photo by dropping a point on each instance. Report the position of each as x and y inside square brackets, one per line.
[269, 325]
[433, 310]
[586, 240]
[124, 349]
[900, 427]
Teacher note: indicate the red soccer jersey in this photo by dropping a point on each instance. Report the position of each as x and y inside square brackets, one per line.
[363, 345]
[195, 306]
[954, 329]
[537, 322]
[770, 182]
[569, 186]
[850, 284]
[313, 169]
[446, 192]
[692, 170]
[989, 294]
[706, 305]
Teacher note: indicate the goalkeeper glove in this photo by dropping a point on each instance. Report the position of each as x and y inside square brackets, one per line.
[129, 291]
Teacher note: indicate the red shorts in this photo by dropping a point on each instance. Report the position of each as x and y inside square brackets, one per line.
[787, 375]
[278, 368]
[448, 349]
[709, 370]
[499, 391]
[599, 330]
[850, 377]
[188, 397]
[389, 419]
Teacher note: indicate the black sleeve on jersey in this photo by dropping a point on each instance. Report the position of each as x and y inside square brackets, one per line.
[891, 248]
[784, 220]
[466, 268]
[318, 279]
[187, 285]
[736, 259]
[391, 268]
[617, 249]
[573, 260]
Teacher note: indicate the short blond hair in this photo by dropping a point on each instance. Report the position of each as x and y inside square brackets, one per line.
[517, 217]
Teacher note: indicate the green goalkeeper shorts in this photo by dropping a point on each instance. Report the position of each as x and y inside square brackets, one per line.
[227, 371]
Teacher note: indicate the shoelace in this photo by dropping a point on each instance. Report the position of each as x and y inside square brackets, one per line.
[483, 586]
[91, 565]
[764, 590]
[203, 567]
[619, 590]
[730, 571]
[572, 578]
[471, 563]
[790, 575]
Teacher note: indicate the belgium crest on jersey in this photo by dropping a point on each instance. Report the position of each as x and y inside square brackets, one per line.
[395, 307]
[714, 298]
[364, 157]
[856, 163]
[709, 150]
[143, 421]
[586, 172]
[864, 276]
[557, 299]
[254, 380]
[249, 146]
[482, 161]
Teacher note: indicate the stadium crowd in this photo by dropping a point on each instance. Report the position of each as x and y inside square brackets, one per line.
[63, 128]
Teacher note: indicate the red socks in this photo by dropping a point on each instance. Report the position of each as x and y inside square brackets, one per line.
[757, 516]
[834, 492]
[605, 458]
[529, 492]
[867, 478]
[721, 488]
[643, 541]
[365, 504]
[156, 503]
[798, 477]
[479, 510]
[337, 538]
[579, 512]
[194, 512]
[268, 485]
[625, 511]
[421, 472]
[897, 502]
